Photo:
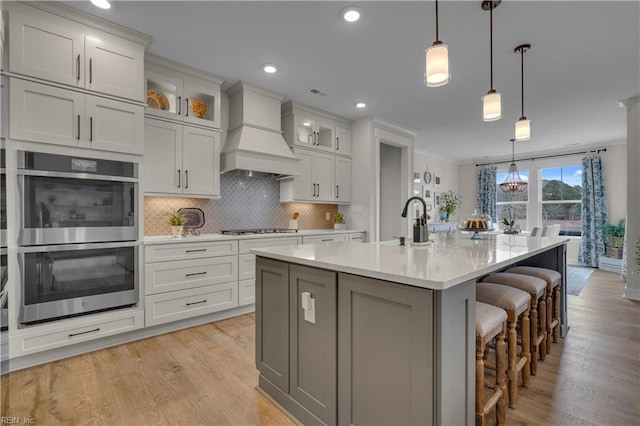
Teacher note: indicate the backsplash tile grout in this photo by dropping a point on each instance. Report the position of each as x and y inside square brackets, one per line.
[246, 202]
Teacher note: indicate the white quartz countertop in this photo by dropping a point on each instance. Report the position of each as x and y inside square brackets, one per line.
[446, 261]
[164, 239]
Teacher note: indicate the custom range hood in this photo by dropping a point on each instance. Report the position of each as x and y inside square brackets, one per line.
[255, 140]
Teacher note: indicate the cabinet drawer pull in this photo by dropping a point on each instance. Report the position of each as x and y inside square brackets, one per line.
[186, 178]
[78, 66]
[90, 70]
[84, 332]
[193, 274]
[356, 238]
[78, 127]
[187, 105]
[328, 239]
[179, 105]
[90, 129]
[196, 251]
[196, 303]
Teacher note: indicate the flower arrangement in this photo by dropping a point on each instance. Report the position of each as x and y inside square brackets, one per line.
[198, 108]
[450, 202]
[338, 218]
[509, 221]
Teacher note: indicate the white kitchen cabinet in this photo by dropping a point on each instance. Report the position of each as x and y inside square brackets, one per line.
[188, 279]
[181, 160]
[47, 114]
[316, 183]
[342, 179]
[357, 237]
[49, 47]
[314, 132]
[186, 91]
[343, 141]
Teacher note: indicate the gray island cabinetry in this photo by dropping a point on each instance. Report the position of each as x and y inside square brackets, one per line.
[376, 333]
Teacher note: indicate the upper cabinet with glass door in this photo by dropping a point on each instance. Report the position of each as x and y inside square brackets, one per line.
[182, 94]
[307, 127]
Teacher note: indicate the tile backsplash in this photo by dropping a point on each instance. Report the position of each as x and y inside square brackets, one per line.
[247, 202]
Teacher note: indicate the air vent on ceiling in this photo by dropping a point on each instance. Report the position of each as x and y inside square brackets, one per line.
[317, 92]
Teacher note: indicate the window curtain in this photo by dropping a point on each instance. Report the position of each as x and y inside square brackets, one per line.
[486, 194]
[623, 273]
[594, 211]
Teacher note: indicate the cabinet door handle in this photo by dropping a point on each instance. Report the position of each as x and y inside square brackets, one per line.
[78, 66]
[90, 129]
[78, 127]
[317, 138]
[337, 191]
[84, 332]
[196, 250]
[179, 105]
[187, 105]
[337, 144]
[197, 303]
[90, 70]
[179, 176]
[318, 186]
[186, 179]
[314, 189]
[193, 274]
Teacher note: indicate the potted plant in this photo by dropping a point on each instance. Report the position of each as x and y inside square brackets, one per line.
[509, 221]
[450, 203]
[177, 221]
[338, 221]
[613, 239]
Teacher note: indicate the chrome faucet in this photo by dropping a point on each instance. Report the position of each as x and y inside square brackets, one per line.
[420, 229]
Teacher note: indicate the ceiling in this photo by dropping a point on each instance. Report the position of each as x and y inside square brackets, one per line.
[585, 57]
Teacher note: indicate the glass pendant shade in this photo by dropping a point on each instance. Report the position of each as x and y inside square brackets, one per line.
[514, 182]
[523, 129]
[491, 106]
[437, 65]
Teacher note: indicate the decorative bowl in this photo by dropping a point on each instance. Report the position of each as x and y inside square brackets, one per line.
[157, 100]
[198, 108]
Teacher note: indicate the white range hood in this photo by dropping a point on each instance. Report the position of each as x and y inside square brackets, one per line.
[255, 139]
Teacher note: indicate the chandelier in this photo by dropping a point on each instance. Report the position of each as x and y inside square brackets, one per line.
[513, 182]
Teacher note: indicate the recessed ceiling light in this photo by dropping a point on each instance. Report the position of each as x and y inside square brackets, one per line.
[102, 4]
[361, 105]
[269, 68]
[351, 14]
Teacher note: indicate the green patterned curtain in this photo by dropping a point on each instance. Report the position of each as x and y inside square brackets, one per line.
[486, 194]
[594, 211]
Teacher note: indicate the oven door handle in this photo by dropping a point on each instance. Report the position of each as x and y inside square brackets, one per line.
[69, 175]
[74, 247]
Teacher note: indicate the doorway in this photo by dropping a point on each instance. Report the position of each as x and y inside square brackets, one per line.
[391, 191]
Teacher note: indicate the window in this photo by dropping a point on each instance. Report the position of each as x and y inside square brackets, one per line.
[513, 203]
[562, 198]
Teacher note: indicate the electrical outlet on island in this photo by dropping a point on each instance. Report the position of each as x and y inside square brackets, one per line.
[328, 216]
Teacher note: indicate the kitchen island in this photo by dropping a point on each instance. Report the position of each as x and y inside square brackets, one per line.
[379, 333]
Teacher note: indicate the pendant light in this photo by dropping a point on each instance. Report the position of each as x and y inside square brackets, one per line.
[492, 101]
[513, 182]
[523, 126]
[436, 62]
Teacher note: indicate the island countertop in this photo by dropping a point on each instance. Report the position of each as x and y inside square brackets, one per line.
[447, 260]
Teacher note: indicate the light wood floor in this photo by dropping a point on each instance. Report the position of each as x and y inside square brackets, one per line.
[206, 375]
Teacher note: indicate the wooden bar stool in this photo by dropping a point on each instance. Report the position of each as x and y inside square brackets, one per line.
[516, 303]
[536, 288]
[554, 283]
[490, 324]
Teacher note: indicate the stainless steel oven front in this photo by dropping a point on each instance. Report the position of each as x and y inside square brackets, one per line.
[73, 279]
[68, 199]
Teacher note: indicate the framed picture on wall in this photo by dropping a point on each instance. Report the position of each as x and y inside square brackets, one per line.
[427, 193]
[437, 179]
[436, 198]
[416, 177]
[429, 207]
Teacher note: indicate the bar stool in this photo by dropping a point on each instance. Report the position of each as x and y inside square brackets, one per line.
[490, 323]
[554, 283]
[516, 303]
[536, 288]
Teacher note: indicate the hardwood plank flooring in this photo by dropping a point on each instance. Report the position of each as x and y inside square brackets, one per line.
[206, 375]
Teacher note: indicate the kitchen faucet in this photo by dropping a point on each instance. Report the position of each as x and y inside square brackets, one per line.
[420, 230]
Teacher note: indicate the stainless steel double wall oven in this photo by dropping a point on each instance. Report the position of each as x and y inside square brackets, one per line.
[78, 230]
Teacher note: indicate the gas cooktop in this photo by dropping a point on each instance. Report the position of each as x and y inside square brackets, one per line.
[257, 231]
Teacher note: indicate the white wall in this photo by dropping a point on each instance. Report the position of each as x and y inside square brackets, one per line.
[615, 171]
[448, 173]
